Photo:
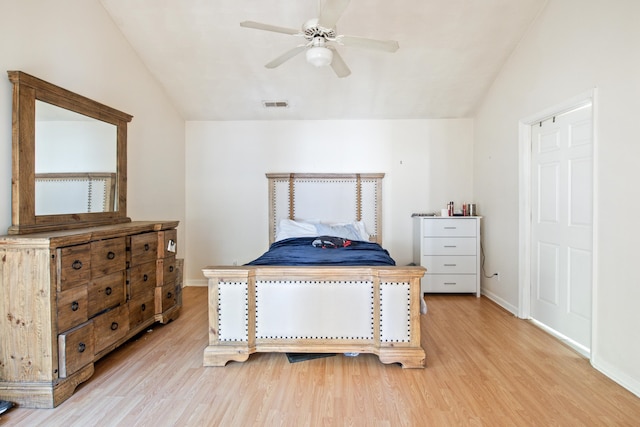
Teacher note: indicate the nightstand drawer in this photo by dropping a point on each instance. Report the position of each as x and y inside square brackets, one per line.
[452, 227]
[449, 246]
[449, 264]
[453, 283]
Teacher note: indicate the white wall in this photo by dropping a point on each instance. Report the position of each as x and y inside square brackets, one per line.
[91, 142]
[574, 46]
[75, 45]
[427, 163]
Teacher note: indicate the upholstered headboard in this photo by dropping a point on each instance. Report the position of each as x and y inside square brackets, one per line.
[330, 198]
[74, 192]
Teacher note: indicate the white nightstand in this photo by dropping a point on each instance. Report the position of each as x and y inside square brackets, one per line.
[449, 248]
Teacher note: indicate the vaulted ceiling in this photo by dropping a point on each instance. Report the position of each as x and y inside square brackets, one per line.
[213, 69]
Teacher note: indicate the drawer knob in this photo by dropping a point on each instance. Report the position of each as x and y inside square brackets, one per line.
[146, 246]
[108, 290]
[450, 265]
[81, 347]
[111, 255]
[77, 264]
[145, 278]
[143, 307]
[114, 326]
[171, 269]
[75, 306]
[169, 295]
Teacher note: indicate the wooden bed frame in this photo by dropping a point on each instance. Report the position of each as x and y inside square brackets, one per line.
[324, 309]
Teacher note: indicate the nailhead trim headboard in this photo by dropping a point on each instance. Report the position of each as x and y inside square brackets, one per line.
[330, 198]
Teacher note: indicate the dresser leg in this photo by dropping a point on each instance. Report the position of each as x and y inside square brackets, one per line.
[44, 394]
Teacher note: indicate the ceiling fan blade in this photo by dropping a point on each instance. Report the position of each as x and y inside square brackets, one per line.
[338, 64]
[267, 27]
[384, 45]
[331, 12]
[286, 56]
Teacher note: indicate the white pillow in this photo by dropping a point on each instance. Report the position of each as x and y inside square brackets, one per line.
[352, 231]
[362, 230]
[288, 228]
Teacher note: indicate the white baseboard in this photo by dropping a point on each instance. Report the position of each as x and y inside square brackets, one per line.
[502, 303]
[196, 282]
[582, 350]
[616, 375]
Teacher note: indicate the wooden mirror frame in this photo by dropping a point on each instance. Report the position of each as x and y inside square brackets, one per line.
[26, 90]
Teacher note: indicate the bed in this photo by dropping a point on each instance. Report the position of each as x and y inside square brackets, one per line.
[372, 307]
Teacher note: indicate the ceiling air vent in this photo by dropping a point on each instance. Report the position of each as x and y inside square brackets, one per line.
[275, 104]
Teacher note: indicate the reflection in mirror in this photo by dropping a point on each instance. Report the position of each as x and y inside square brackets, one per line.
[75, 162]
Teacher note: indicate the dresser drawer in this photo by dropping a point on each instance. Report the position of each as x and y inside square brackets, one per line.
[454, 283]
[75, 349]
[142, 279]
[108, 256]
[74, 266]
[141, 308]
[450, 227]
[106, 292]
[166, 297]
[178, 289]
[167, 243]
[166, 271]
[449, 246]
[72, 307]
[449, 264]
[144, 248]
[110, 326]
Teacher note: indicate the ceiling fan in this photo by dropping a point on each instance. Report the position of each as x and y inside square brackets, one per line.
[321, 37]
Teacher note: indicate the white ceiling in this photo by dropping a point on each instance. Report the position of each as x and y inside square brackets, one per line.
[212, 69]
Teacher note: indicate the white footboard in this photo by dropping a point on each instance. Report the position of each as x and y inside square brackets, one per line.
[316, 310]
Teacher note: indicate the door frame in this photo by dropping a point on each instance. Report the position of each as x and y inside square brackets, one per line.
[524, 205]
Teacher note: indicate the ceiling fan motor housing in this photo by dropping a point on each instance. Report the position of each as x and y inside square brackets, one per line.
[311, 31]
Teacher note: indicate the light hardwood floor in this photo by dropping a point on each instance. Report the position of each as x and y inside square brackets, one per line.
[484, 368]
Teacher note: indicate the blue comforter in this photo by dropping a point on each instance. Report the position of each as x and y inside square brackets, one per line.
[300, 251]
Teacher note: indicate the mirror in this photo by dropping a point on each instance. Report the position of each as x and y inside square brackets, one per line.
[83, 181]
[69, 159]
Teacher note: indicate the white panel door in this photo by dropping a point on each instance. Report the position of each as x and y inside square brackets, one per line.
[562, 217]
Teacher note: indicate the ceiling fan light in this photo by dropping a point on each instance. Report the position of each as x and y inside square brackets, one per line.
[319, 56]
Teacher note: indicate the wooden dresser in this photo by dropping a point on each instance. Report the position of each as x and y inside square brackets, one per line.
[68, 298]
